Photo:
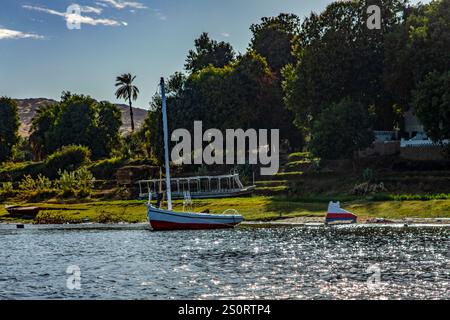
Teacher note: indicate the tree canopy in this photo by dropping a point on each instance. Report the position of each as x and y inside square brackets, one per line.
[209, 52]
[76, 120]
[9, 126]
[341, 130]
[272, 39]
[338, 56]
[431, 103]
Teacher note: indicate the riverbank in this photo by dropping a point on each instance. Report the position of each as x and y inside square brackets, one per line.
[256, 208]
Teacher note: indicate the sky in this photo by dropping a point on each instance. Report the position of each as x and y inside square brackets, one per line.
[42, 54]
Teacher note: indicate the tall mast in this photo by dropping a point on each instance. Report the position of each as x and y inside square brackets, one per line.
[166, 145]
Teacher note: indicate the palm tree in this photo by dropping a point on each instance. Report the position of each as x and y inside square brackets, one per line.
[127, 91]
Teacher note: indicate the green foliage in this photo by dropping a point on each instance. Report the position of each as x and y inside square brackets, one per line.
[240, 95]
[22, 151]
[43, 131]
[410, 197]
[128, 91]
[209, 52]
[6, 187]
[17, 171]
[107, 130]
[39, 185]
[106, 169]
[9, 126]
[417, 47]
[78, 183]
[76, 120]
[7, 191]
[207, 96]
[67, 158]
[273, 38]
[75, 183]
[432, 105]
[341, 130]
[48, 217]
[338, 56]
[299, 156]
[134, 146]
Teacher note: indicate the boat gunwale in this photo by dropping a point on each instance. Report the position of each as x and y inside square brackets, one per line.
[198, 215]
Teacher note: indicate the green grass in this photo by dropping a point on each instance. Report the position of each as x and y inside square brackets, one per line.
[252, 208]
[402, 209]
[298, 156]
[410, 197]
[287, 175]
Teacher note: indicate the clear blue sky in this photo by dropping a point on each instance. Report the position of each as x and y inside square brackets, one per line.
[41, 57]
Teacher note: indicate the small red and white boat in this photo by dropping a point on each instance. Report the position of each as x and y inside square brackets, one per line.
[337, 214]
[161, 219]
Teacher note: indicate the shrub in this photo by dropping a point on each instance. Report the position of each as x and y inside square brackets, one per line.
[106, 169]
[340, 130]
[6, 191]
[68, 158]
[17, 171]
[75, 183]
[7, 187]
[37, 189]
[47, 217]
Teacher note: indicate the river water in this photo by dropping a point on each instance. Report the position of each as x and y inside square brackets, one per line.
[316, 262]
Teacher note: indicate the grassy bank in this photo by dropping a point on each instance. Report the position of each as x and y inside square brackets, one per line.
[252, 208]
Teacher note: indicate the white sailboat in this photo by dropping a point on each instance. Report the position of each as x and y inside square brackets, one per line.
[167, 219]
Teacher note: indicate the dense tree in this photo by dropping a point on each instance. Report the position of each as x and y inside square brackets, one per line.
[128, 91]
[239, 95]
[76, 120]
[417, 47]
[431, 103]
[339, 56]
[234, 96]
[152, 129]
[42, 130]
[209, 52]
[341, 130]
[9, 126]
[108, 128]
[272, 39]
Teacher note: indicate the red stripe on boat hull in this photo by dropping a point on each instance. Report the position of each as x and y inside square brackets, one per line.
[341, 215]
[165, 226]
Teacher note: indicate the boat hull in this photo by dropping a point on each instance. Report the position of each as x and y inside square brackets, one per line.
[348, 217]
[163, 220]
[22, 211]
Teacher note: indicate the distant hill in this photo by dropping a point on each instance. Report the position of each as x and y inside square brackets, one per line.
[28, 108]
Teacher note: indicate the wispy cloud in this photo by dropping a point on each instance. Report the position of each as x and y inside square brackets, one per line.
[225, 34]
[14, 34]
[118, 4]
[160, 15]
[75, 18]
[89, 9]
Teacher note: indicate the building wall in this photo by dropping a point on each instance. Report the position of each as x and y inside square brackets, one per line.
[412, 123]
[423, 152]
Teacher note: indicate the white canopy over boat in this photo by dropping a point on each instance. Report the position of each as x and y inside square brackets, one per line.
[222, 186]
